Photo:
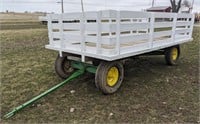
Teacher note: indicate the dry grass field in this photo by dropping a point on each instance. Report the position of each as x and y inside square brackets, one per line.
[152, 92]
[19, 21]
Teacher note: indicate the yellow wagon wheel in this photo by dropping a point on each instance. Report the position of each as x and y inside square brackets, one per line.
[172, 55]
[109, 76]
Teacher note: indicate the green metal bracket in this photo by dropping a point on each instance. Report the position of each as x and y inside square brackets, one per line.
[82, 67]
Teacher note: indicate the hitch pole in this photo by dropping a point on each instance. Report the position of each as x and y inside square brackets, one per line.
[73, 76]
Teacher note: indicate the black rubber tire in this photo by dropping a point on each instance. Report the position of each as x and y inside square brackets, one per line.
[63, 67]
[168, 55]
[101, 76]
[96, 62]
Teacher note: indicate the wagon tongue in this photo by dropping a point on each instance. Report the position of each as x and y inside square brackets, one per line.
[73, 76]
[81, 70]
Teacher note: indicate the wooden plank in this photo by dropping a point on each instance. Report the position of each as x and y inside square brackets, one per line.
[54, 16]
[162, 42]
[105, 27]
[178, 31]
[77, 15]
[74, 26]
[110, 28]
[61, 34]
[151, 30]
[164, 39]
[163, 24]
[109, 40]
[72, 37]
[161, 38]
[134, 26]
[184, 15]
[129, 38]
[183, 23]
[179, 37]
[121, 45]
[134, 48]
[118, 26]
[56, 35]
[105, 52]
[162, 33]
[191, 26]
[134, 14]
[55, 25]
[174, 27]
[99, 30]
[82, 34]
[163, 15]
[49, 26]
[109, 14]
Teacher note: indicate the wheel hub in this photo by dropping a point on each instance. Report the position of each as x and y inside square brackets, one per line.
[112, 76]
[174, 53]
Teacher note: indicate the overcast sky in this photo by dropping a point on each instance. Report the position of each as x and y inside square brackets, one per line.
[89, 5]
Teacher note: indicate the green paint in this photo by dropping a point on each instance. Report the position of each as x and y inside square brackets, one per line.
[82, 67]
[91, 69]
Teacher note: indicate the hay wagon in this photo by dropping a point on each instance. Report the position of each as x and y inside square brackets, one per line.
[103, 38]
[100, 41]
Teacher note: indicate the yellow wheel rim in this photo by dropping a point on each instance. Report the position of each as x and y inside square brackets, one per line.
[112, 76]
[174, 53]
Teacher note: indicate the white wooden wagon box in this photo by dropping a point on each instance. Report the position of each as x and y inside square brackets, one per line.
[109, 36]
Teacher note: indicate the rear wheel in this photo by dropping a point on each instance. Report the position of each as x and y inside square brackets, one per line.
[109, 76]
[63, 67]
[172, 55]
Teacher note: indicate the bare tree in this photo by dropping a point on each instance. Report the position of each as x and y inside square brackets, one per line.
[175, 5]
[187, 4]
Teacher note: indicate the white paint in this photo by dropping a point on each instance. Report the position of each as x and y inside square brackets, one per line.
[111, 35]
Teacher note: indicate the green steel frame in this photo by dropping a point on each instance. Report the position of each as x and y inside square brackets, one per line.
[81, 69]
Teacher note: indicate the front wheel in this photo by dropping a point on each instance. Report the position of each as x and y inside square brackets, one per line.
[63, 67]
[172, 55]
[109, 76]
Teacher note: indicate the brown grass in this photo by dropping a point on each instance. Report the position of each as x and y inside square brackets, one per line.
[151, 92]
